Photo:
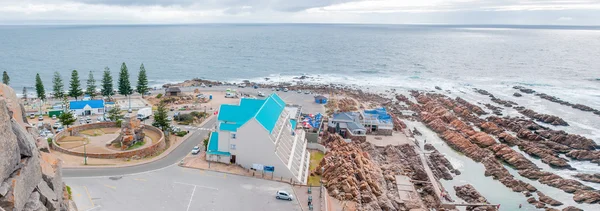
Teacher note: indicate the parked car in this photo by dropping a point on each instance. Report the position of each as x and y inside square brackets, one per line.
[260, 94]
[54, 117]
[41, 118]
[129, 110]
[242, 86]
[58, 130]
[230, 95]
[196, 150]
[32, 116]
[306, 92]
[100, 119]
[40, 124]
[56, 125]
[283, 195]
[300, 91]
[285, 90]
[169, 118]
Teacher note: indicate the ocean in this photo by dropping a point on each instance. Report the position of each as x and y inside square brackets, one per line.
[560, 61]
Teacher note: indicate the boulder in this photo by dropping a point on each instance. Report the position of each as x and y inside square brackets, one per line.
[24, 139]
[34, 203]
[23, 182]
[548, 200]
[571, 208]
[9, 147]
[48, 196]
[595, 178]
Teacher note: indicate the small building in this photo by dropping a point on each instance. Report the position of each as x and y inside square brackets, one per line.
[320, 99]
[173, 91]
[377, 121]
[347, 125]
[88, 107]
[260, 134]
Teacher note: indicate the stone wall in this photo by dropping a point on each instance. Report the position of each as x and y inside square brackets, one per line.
[30, 179]
[141, 152]
[383, 132]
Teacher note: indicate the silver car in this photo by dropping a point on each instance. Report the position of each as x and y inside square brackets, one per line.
[283, 195]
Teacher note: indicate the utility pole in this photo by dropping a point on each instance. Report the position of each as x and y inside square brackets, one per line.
[84, 153]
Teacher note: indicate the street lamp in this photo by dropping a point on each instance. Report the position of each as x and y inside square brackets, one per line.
[84, 153]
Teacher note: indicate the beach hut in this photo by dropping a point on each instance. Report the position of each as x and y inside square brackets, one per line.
[320, 99]
[173, 91]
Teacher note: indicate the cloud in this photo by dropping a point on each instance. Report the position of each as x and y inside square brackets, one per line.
[565, 19]
[321, 11]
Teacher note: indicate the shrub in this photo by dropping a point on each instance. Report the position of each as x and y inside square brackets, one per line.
[181, 133]
[119, 122]
[159, 95]
[49, 141]
[69, 191]
[205, 144]
[185, 119]
[198, 114]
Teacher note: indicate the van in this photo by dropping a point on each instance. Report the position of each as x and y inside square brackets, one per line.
[230, 95]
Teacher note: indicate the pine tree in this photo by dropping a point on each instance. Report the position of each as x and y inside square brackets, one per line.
[75, 85]
[24, 93]
[124, 85]
[91, 86]
[160, 117]
[114, 114]
[66, 118]
[58, 86]
[142, 83]
[107, 84]
[5, 78]
[39, 87]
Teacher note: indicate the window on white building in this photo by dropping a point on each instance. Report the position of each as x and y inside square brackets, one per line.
[233, 146]
[233, 135]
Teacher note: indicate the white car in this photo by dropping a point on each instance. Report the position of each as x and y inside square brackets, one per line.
[283, 195]
[260, 94]
[53, 117]
[56, 125]
[196, 150]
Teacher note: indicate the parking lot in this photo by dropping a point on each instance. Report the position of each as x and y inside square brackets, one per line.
[179, 189]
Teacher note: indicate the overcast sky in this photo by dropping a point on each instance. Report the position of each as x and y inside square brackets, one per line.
[542, 12]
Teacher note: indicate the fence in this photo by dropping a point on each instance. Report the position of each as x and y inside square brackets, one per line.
[142, 152]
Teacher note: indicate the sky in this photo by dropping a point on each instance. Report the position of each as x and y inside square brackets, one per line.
[521, 12]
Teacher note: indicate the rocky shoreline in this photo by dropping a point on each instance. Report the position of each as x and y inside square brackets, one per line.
[558, 100]
[470, 195]
[445, 116]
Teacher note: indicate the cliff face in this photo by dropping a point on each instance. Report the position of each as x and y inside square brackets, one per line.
[30, 177]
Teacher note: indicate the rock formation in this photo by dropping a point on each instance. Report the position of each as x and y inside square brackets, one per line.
[595, 178]
[470, 195]
[30, 179]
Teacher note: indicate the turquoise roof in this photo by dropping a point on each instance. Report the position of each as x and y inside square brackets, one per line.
[266, 112]
[294, 123]
[213, 145]
[268, 115]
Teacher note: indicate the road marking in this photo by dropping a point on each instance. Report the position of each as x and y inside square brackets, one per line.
[93, 208]
[140, 179]
[200, 186]
[108, 186]
[89, 196]
[191, 198]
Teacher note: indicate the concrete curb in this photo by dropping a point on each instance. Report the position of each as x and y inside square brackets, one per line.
[161, 156]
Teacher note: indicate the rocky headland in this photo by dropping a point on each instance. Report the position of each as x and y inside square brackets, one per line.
[30, 177]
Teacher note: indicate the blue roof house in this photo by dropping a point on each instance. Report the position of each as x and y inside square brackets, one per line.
[260, 134]
[87, 107]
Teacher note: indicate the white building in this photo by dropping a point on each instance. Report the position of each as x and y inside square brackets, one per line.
[87, 107]
[261, 135]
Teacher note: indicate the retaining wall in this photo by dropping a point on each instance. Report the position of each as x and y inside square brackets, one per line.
[316, 146]
[142, 152]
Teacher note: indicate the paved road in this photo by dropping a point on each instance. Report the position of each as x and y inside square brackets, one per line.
[172, 158]
[178, 189]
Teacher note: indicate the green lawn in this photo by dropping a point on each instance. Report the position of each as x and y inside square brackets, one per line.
[315, 159]
[136, 145]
